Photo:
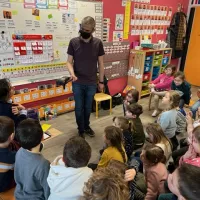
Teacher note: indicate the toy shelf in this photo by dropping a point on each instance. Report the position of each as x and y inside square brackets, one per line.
[145, 66]
[36, 95]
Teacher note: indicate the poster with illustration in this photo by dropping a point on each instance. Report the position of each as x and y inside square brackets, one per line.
[117, 36]
[119, 22]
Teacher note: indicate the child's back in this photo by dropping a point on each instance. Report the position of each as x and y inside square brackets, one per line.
[137, 131]
[69, 172]
[31, 168]
[31, 171]
[167, 121]
[67, 182]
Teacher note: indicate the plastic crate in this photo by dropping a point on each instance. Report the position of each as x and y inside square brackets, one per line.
[167, 52]
[156, 57]
[146, 76]
[148, 63]
[165, 60]
[148, 58]
[156, 71]
[147, 69]
[157, 62]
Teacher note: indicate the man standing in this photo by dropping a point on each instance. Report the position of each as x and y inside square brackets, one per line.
[84, 52]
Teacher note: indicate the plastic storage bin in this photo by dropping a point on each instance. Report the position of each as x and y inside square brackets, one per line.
[148, 63]
[167, 52]
[146, 76]
[149, 57]
[165, 61]
[155, 74]
[157, 62]
[156, 57]
[147, 69]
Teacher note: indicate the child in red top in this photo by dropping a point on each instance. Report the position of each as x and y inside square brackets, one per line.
[162, 84]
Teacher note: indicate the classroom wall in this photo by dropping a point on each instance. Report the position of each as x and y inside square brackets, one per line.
[113, 7]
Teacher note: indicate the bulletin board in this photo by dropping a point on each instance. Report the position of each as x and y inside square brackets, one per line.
[35, 34]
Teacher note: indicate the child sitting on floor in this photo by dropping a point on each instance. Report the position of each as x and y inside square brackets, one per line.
[184, 183]
[183, 87]
[69, 172]
[106, 185]
[132, 97]
[155, 171]
[7, 157]
[167, 119]
[16, 112]
[113, 139]
[158, 138]
[194, 142]
[31, 168]
[133, 114]
[123, 124]
[120, 168]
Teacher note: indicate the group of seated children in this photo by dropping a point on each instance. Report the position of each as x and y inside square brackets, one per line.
[131, 165]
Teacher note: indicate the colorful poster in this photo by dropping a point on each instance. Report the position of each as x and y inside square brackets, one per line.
[117, 36]
[119, 22]
[127, 19]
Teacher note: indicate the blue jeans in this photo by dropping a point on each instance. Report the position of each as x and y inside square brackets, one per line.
[83, 96]
[195, 108]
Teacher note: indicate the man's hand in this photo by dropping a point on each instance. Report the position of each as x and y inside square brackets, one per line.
[74, 78]
[100, 87]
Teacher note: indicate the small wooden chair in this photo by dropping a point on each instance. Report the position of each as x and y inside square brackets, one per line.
[8, 195]
[102, 97]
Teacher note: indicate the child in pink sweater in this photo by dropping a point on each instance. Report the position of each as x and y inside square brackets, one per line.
[162, 84]
[192, 155]
[155, 171]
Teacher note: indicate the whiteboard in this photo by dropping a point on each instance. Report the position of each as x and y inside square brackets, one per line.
[62, 23]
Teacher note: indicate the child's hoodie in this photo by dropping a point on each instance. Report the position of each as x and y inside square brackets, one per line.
[66, 183]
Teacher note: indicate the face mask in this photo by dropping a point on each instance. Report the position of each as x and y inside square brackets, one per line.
[85, 35]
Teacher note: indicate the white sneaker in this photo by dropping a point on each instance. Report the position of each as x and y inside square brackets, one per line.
[155, 113]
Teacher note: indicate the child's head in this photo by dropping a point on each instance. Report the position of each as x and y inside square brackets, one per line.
[76, 153]
[132, 96]
[156, 134]
[195, 141]
[171, 99]
[134, 110]
[113, 137]
[179, 78]
[117, 167]
[29, 134]
[170, 70]
[6, 90]
[185, 182]
[153, 155]
[105, 184]
[121, 122]
[7, 127]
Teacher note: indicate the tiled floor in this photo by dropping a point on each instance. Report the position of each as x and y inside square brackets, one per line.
[66, 124]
